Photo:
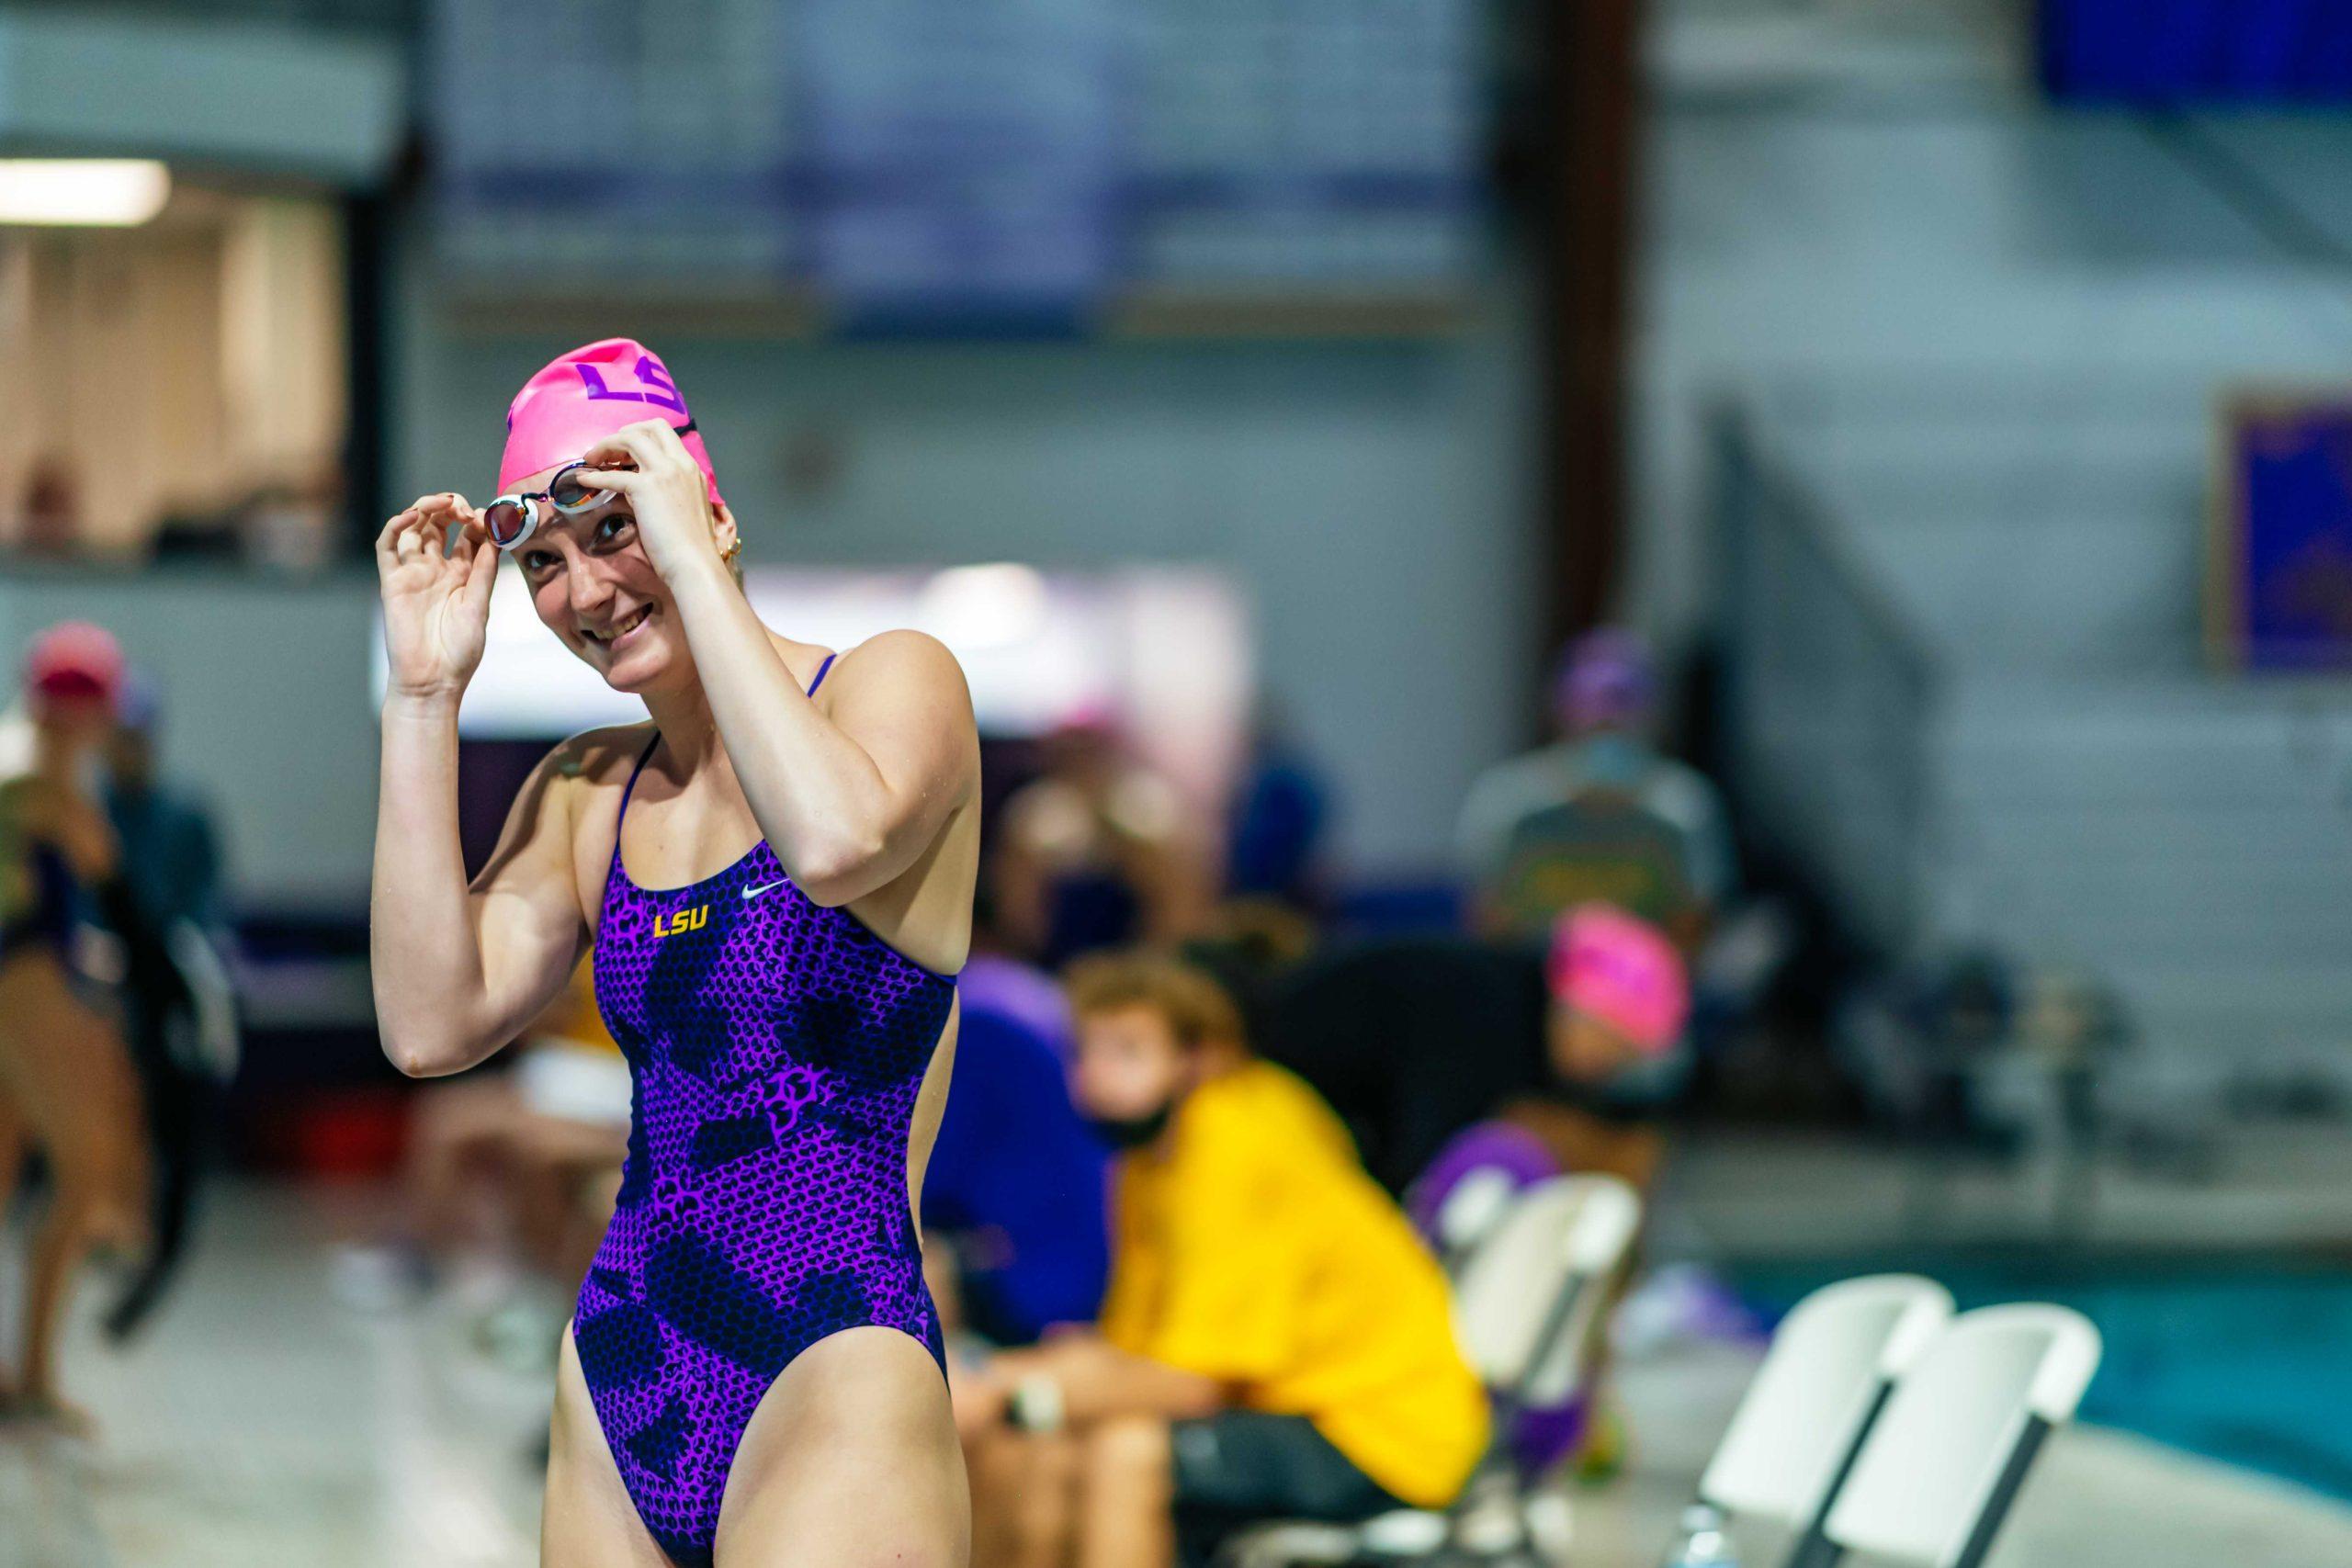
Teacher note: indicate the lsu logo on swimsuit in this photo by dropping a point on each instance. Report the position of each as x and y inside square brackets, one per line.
[692, 920]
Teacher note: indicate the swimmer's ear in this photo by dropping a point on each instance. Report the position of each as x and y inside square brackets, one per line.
[723, 532]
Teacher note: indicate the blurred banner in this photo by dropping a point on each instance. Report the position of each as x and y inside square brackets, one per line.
[2281, 573]
[922, 164]
[2188, 50]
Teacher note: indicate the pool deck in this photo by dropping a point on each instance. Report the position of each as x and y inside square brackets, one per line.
[2271, 1187]
[266, 1422]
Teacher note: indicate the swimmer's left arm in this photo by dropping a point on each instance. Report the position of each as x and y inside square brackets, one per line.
[850, 799]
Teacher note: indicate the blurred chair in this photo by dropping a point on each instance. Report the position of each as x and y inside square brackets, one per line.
[1529, 1307]
[1470, 1213]
[1831, 1369]
[1946, 1458]
[1470, 1183]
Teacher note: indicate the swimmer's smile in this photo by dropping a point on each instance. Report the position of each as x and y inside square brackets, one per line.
[623, 632]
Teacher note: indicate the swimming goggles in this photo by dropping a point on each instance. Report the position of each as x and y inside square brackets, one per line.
[512, 519]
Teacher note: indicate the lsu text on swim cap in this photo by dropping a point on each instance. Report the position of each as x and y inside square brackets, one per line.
[579, 398]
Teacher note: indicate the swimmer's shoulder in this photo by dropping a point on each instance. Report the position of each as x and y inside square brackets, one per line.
[602, 758]
[900, 673]
[902, 661]
[581, 784]
[589, 769]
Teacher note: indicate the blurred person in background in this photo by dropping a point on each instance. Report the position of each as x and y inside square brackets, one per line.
[1280, 810]
[50, 524]
[520, 1165]
[1276, 1341]
[1095, 852]
[1600, 816]
[67, 1089]
[755, 1328]
[1618, 999]
[171, 850]
[179, 1012]
[1414, 1039]
[1013, 1201]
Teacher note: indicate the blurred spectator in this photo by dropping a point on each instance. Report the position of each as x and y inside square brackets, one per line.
[1276, 1341]
[1600, 816]
[68, 1088]
[1016, 1190]
[1618, 999]
[523, 1164]
[1279, 813]
[290, 525]
[1094, 852]
[179, 1011]
[171, 850]
[51, 523]
[1414, 1039]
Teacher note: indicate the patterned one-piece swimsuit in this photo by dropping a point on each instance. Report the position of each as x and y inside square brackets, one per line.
[776, 1047]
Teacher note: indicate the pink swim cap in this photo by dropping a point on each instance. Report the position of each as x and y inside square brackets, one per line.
[1622, 971]
[583, 397]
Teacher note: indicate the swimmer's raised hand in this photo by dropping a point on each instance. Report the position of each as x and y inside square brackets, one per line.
[436, 600]
[676, 525]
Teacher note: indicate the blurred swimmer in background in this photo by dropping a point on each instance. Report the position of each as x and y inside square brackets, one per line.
[67, 1089]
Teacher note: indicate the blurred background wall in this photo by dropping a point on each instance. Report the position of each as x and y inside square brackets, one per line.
[1915, 359]
[1373, 487]
[1986, 339]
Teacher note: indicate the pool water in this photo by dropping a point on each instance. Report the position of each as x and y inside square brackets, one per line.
[2247, 1364]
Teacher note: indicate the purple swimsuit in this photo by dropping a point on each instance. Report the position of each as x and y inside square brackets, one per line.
[776, 1048]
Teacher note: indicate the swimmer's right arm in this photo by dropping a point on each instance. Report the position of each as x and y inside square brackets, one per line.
[458, 971]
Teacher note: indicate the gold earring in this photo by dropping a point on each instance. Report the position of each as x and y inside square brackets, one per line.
[734, 548]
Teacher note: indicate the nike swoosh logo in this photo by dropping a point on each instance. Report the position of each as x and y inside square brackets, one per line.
[751, 893]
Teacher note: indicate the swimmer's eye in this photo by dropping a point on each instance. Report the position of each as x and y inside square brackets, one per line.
[613, 527]
[536, 562]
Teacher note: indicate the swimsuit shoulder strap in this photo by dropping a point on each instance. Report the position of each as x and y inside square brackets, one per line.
[647, 755]
[630, 788]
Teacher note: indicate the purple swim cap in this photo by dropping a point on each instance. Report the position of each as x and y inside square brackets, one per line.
[1603, 677]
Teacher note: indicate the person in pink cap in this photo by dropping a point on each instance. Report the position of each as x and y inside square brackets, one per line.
[754, 1372]
[1620, 994]
[67, 1088]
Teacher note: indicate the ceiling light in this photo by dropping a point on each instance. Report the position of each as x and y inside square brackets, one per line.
[115, 192]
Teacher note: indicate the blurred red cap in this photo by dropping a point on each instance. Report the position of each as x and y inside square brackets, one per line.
[75, 660]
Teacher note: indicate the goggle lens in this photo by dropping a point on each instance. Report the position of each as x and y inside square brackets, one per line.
[509, 520]
[574, 492]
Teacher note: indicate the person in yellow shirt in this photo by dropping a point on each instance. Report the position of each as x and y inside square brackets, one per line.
[1275, 1342]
